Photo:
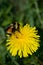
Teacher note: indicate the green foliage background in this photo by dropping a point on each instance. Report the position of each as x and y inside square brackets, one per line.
[22, 11]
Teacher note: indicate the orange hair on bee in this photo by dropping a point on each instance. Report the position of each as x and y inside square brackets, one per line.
[9, 30]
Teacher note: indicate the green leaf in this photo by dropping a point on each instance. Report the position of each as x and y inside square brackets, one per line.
[2, 35]
[7, 21]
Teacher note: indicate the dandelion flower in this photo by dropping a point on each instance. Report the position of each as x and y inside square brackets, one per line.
[24, 42]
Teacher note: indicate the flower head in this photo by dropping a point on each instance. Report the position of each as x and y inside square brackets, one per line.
[24, 42]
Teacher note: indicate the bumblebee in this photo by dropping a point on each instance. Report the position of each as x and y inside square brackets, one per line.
[13, 27]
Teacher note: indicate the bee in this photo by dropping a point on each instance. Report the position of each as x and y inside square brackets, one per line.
[13, 27]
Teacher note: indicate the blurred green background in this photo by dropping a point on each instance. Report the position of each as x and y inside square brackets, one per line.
[22, 11]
